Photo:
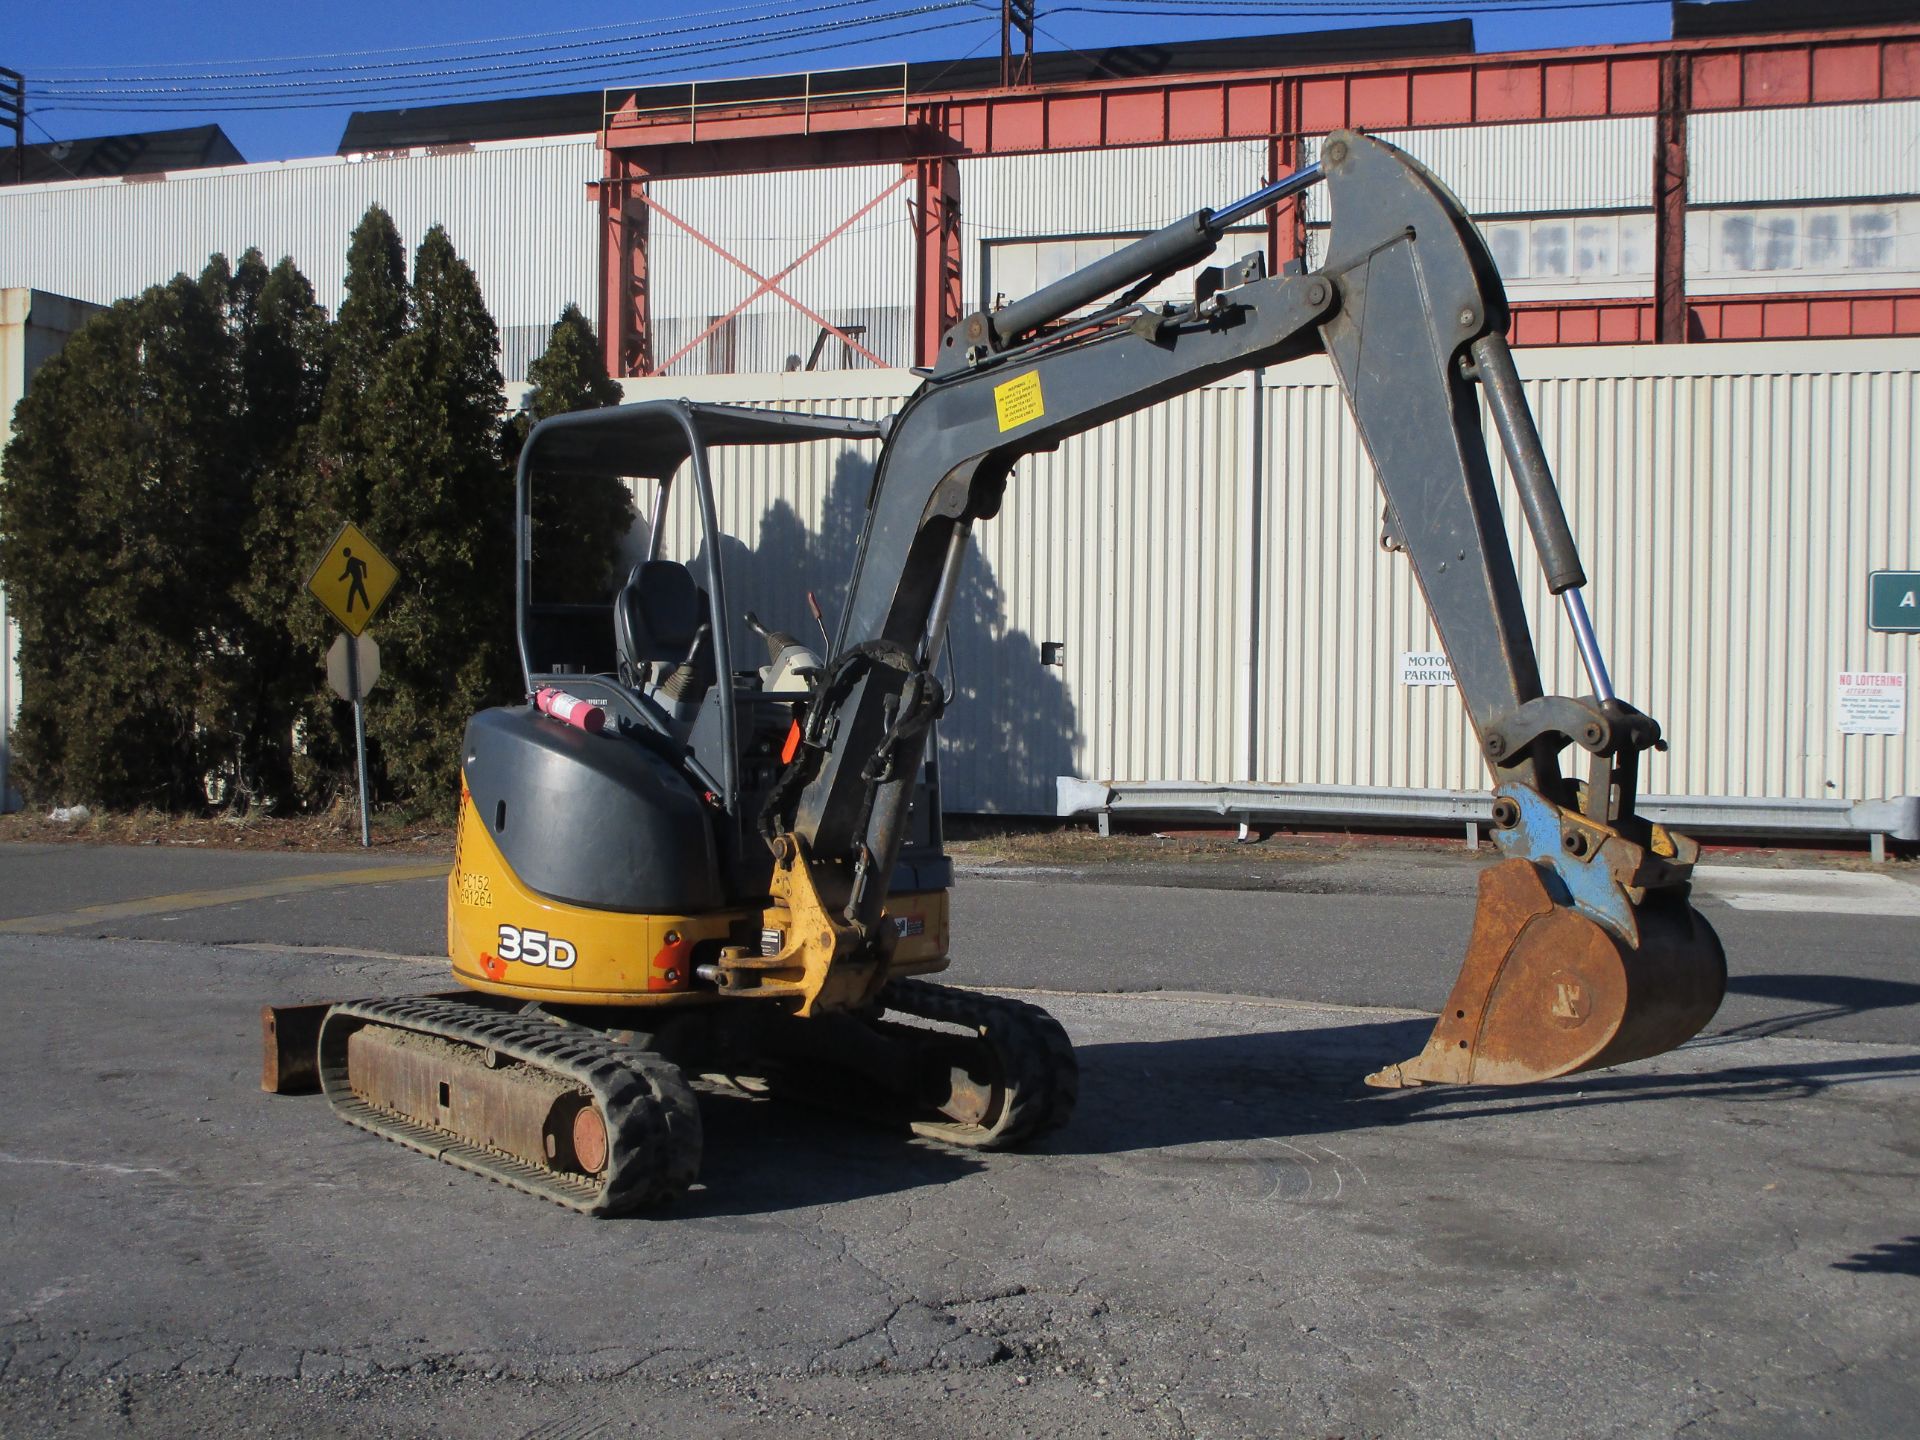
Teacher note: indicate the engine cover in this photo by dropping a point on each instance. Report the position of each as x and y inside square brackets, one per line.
[602, 821]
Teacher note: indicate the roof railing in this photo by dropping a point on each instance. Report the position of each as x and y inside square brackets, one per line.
[804, 92]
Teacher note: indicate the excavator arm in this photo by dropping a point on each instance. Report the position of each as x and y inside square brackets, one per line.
[1585, 949]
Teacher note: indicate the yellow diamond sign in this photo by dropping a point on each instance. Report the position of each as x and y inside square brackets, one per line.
[352, 578]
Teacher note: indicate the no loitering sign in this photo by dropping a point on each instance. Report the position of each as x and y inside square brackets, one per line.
[1870, 702]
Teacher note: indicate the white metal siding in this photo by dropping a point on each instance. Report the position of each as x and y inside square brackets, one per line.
[1560, 167]
[1729, 501]
[863, 276]
[1819, 152]
[519, 213]
[1540, 167]
[1097, 192]
[1119, 545]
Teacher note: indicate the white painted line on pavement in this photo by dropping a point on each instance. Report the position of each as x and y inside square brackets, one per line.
[994, 870]
[341, 952]
[7, 1157]
[1814, 892]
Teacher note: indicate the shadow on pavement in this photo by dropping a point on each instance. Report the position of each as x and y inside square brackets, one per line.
[1144, 1095]
[1890, 1257]
[1816, 998]
[766, 1156]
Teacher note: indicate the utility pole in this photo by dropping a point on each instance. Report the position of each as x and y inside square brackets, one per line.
[13, 116]
[1016, 69]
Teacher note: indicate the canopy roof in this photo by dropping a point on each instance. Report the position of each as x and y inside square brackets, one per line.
[652, 439]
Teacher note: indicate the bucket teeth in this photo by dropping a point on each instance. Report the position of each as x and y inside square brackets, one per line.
[1546, 991]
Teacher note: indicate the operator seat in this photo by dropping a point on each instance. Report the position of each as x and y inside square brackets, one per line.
[665, 642]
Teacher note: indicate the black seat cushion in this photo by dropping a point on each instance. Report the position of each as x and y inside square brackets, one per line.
[658, 613]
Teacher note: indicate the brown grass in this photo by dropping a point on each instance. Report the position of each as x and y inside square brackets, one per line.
[336, 829]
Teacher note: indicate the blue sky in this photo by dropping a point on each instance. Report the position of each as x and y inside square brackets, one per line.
[268, 57]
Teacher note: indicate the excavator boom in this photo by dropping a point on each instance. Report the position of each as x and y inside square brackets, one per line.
[1585, 950]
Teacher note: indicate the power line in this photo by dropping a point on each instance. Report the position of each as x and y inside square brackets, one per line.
[1342, 9]
[429, 79]
[420, 49]
[545, 74]
[382, 84]
[1383, 7]
[759, 12]
[343, 101]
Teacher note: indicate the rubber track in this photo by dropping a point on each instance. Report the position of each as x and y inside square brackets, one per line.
[1044, 1076]
[652, 1120]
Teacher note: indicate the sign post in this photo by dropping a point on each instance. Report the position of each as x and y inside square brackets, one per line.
[353, 668]
[352, 580]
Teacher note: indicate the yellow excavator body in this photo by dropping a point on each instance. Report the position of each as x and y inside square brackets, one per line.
[504, 939]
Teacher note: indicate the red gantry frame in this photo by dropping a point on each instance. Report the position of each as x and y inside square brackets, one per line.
[926, 135]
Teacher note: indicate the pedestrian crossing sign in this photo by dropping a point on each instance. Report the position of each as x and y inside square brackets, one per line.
[352, 578]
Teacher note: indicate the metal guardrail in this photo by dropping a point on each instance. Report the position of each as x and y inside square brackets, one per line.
[1879, 820]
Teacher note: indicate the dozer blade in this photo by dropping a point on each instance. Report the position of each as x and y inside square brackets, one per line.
[1546, 991]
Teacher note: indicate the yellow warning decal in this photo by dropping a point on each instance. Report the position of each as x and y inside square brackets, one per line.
[1018, 401]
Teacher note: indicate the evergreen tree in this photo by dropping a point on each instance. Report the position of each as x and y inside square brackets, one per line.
[350, 459]
[120, 519]
[280, 348]
[441, 508]
[578, 522]
[373, 316]
[170, 479]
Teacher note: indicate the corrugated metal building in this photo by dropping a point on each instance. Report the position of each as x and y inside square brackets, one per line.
[517, 212]
[1224, 613]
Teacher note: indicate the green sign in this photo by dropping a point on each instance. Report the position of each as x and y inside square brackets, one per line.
[1893, 601]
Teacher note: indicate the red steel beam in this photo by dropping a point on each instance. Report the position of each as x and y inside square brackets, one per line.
[1287, 221]
[1666, 80]
[626, 330]
[938, 301]
[1670, 202]
[1813, 315]
[1856, 314]
[1741, 72]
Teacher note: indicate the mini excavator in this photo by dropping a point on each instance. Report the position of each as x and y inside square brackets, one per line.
[673, 864]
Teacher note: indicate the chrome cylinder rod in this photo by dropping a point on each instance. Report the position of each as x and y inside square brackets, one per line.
[1165, 252]
[1589, 644]
[942, 611]
[1304, 178]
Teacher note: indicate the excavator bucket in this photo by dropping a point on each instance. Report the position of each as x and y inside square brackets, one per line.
[1547, 991]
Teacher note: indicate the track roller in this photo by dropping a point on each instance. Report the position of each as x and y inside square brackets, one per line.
[1010, 1080]
[561, 1112]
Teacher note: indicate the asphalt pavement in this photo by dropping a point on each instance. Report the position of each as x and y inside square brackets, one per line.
[1832, 954]
[1233, 1238]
